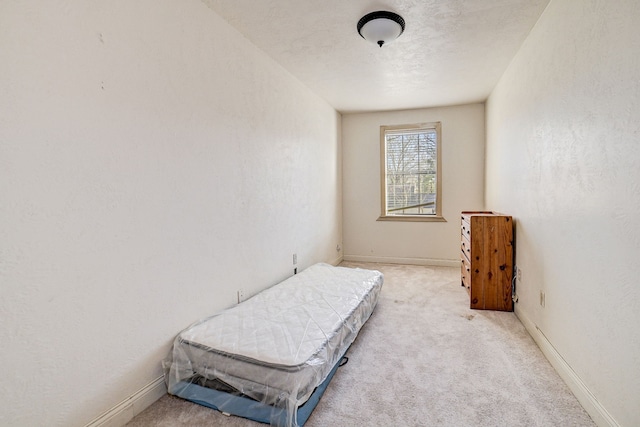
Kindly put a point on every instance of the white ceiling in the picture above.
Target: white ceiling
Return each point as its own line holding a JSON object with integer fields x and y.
{"x": 452, "y": 51}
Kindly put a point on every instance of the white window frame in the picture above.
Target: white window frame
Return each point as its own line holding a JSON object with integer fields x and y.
{"x": 411, "y": 128}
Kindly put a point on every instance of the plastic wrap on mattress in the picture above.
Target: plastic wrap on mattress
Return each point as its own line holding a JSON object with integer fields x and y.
{"x": 279, "y": 345}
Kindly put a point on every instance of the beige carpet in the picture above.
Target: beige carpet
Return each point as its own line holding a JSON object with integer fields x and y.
{"x": 424, "y": 359}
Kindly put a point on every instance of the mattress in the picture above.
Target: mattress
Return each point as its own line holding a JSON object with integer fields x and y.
{"x": 281, "y": 344}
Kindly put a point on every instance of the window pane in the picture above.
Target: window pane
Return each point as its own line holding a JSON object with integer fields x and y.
{"x": 411, "y": 172}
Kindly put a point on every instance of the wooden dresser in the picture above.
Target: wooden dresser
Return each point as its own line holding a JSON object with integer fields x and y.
{"x": 487, "y": 259}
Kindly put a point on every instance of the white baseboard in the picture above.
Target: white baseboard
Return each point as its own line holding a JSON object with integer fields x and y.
{"x": 410, "y": 261}
{"x": 589, "y": 402}
{"x": 336, "y": 261}
{"x": 124, "y": 412}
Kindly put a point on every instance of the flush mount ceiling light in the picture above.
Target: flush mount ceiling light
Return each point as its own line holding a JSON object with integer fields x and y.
{"x": 381, "y": 27}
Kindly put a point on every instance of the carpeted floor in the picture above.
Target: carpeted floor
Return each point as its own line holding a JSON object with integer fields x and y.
{"x": 424, "y": 359}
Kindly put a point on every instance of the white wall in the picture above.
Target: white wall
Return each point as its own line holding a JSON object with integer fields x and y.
{"x": 563, "y": 146}
{"x": 365, "y": 238}
{"x": 152, "y": 162}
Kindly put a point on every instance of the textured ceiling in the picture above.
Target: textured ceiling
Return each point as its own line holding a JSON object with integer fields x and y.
{"x": 452, "y": 51}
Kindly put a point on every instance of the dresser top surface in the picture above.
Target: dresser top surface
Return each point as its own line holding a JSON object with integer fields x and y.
{"x": 482, "y": 213}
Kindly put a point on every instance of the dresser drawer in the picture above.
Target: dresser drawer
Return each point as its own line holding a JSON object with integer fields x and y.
{"x": 466, "y": 273}
{"x": 465, "y": 229}
{"x": 465, "y": 247}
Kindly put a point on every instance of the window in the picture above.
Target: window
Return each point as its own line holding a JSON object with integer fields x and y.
{"x": 410, "y": 172}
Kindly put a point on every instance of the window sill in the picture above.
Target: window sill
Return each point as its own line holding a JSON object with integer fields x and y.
{"x": 412, "y": 218}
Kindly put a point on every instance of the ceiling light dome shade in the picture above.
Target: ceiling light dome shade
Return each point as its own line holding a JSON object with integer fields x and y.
{"x": 381, "y": 27}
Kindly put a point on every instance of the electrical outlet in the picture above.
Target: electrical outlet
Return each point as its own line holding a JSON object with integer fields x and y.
{"x": 241, "y": 295}
{"x": 519, "y": 274}
{"x": 542, "y": 298}
{"x": 295, "y": 259}
{"x": 338, "y": 248}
